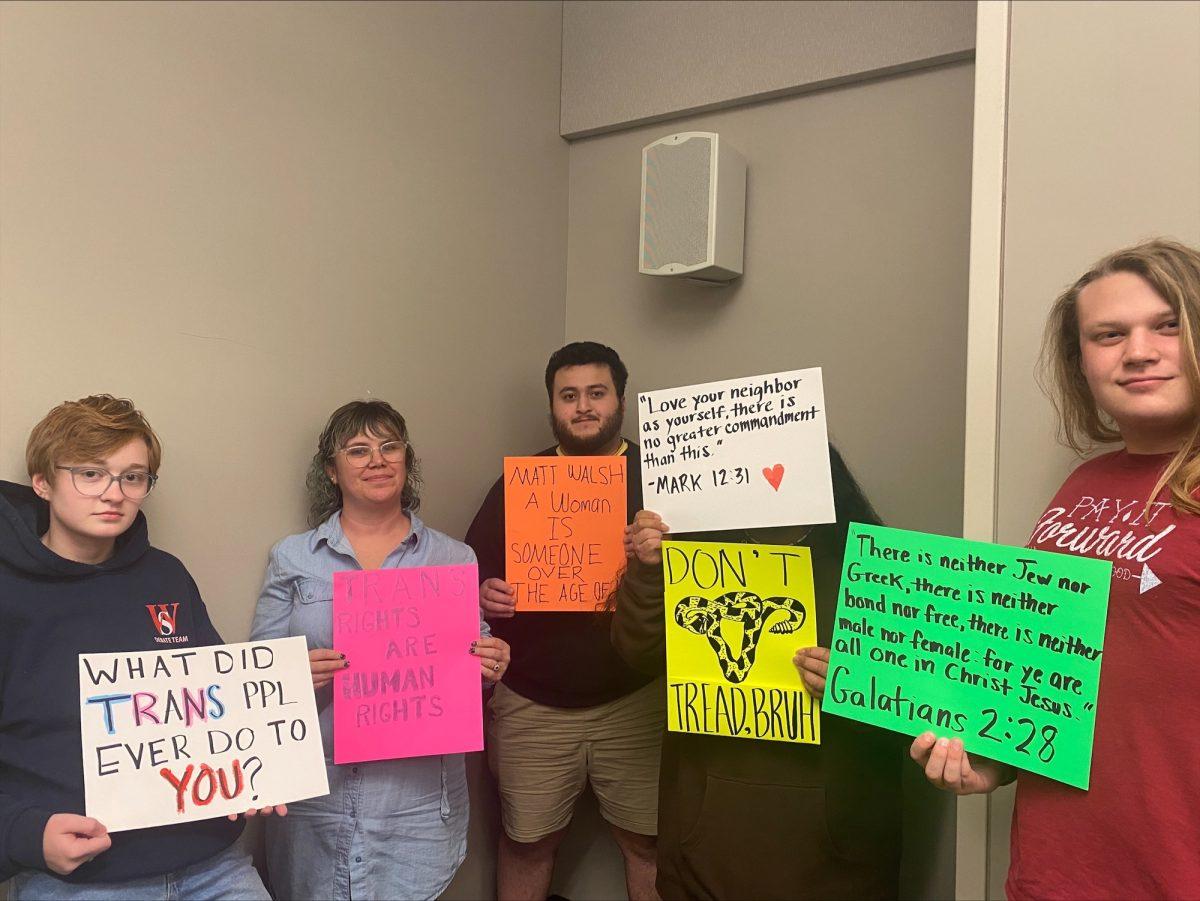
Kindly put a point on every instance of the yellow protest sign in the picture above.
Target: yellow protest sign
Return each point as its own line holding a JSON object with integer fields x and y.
{"x": 735, "y": 615}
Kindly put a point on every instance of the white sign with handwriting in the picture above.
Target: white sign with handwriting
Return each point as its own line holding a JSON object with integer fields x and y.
{"x": 195, "y": 733}
{"x": 742, "y": 453}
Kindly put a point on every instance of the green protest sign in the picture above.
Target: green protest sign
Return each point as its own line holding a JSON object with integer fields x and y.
{"x": 998, "y": 646}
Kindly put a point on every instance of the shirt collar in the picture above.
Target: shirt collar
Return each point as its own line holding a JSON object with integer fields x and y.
{"x": 330, "y": 532}
{"x": 624, "y": 446}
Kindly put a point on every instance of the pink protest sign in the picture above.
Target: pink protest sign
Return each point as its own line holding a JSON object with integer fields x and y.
{"x": 413, "y": 687}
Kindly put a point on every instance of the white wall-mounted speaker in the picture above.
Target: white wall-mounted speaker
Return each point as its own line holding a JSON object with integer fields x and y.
{"x": 693, "y": 207}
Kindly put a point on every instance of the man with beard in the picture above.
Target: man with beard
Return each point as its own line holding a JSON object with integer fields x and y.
{"x": 570, "y": 710}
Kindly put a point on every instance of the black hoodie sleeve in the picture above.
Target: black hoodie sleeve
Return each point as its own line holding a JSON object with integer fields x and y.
{"x": 22, "y": 826}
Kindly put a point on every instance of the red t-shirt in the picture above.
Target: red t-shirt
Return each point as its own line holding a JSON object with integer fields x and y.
{"x": 1136, "y": 832}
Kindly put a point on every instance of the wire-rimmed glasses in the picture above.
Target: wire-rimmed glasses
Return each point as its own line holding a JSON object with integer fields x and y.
{"x": 360, "y": 455}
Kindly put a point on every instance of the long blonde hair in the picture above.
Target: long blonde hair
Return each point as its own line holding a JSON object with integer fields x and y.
{"x": 1172, "y": 269}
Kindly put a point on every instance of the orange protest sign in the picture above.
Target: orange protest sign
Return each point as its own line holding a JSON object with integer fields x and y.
{"x": 563, "y": 523}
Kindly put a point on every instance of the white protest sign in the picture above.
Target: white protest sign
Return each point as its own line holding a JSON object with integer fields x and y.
{"x": 742, "y": 453}
{"x": 196, "y": 733}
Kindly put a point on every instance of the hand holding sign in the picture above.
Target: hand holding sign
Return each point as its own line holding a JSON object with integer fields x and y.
{"x": 645, "y": 536}
{"x": 497, "y": 599}
{"x": 813, "y": 666}
{"x": 493, "y": 657}
{"x": 278, "y": 809}
{"x": 948, "y": 766}
{"x": 69, "y": 841}
{"x": 324, "y": 664}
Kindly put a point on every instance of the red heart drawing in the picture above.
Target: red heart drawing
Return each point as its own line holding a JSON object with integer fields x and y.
{"x": 774, "y": 475}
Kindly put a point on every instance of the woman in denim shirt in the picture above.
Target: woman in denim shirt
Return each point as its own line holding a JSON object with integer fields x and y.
{"x": 389, "y": 828}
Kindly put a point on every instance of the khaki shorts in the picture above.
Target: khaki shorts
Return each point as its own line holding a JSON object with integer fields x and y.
{"x": 542, "y": 757}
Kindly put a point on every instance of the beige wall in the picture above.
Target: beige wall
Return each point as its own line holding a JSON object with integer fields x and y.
{"x": 243, "y": 215}
{"x": 1103, "y": 149}
{"x": 629, "y": 62}
{"x": 857, "y": 224}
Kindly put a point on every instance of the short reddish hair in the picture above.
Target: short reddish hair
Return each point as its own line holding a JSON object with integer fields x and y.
{"x": 85, "y": 430}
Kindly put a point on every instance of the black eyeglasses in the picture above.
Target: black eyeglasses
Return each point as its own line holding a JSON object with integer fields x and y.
{"x": 359, "y": 455}
{"x": 91, "y": 481}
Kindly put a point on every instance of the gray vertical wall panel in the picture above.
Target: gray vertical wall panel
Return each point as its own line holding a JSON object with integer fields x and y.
{"x": 633, "y": 62}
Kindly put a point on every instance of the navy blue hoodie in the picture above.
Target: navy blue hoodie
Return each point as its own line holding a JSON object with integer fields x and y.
{"x": 52, "y": 610}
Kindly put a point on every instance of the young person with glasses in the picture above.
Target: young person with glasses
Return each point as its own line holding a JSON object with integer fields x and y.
{"x": 388, "y": 828}
{"x": 1120, "y": 354}
{"x": 78, "y": 575}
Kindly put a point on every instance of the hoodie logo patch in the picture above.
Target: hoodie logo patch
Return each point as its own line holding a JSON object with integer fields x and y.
{"x": 164, "y": 617}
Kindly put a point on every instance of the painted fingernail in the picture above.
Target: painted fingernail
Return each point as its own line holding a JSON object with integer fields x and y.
{"x": 472, "y": 649}
{"x": 345, "y": 663}
{"x": 343, "y": 656}
{"x": 474, "y": 643}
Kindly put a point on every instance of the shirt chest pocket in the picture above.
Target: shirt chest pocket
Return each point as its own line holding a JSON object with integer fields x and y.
{"x": 312, "y": 612}
{"x": 312, "y": 591}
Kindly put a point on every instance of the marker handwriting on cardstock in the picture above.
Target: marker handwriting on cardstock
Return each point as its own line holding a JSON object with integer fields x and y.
{"x": 703, "y": 447}
{"x": 998, "y": 645}
{"x": 414, "y": 687}
{"x": 564, "y": 523}
{"x": 735, "y": 615}
{"x": 174, "y": 736}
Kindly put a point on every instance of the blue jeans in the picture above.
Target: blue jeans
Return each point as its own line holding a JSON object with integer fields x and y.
{"x": 228, "y": 875}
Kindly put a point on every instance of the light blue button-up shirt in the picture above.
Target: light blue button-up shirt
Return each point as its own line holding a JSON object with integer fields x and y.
{"x": 388, "y": 828}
